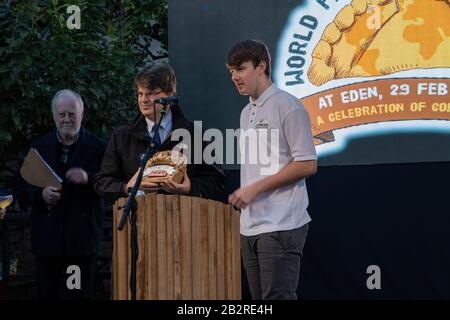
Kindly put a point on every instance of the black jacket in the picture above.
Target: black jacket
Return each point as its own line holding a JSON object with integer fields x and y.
{"x": 73, "y": 226}
{"x": 128, "y": 143}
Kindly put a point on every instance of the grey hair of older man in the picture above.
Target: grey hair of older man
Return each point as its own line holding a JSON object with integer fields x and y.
{"x": 67, "y": 93}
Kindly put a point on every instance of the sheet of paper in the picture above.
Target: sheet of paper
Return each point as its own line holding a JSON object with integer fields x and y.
{"x": 37, "y": 172}
{"x": 5, "y": 201}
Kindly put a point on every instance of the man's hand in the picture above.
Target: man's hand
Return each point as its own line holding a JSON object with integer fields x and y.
{"x": 168, "y": 186}
{"x": 150, "y": 187}
{"x": 131, "y": 182}
{"x": 77, "y": 176}
{"x": 147, "y": 187}
{"x": 242, "y": 197}
{"x": 291, "y": 173}
{"x": 177, "y": 188}
{"x": 51, "y": 195}
{"x": 2, "y": 213}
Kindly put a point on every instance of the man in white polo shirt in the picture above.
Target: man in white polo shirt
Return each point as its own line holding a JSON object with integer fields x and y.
{"x": 273, "y": 195}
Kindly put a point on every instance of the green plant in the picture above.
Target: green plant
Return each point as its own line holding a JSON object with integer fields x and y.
{"x": 40, "y": 55}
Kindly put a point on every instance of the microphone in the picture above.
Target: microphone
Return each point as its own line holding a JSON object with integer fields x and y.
{"x": 167, "y": 100}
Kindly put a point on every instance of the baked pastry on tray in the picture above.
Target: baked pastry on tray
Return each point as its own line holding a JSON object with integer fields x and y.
{"x": 165, "y": 165}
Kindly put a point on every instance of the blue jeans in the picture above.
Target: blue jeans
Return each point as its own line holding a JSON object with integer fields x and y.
{"x": 272, "y": 263}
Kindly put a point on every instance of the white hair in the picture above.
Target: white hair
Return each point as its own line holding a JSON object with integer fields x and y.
{"x": 69, "y": 94}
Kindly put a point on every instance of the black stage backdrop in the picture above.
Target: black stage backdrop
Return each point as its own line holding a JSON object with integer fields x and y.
{"x": 394, "y": 216}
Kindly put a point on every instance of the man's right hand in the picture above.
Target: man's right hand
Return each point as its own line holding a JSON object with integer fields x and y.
{"x": 147, "y": 187}
{"x": 51, "y": 195}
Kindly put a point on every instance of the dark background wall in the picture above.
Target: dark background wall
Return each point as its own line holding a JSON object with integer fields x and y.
{"x": 395, "y": 216}
{"x": 200, "y": 35}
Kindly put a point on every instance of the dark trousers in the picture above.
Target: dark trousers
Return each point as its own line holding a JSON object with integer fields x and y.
{"x": 272, "y": 263}
{"x": 52, "y": 277}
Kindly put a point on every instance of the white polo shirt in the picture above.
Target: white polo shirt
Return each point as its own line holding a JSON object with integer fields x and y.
{"x": 283, "y": 128}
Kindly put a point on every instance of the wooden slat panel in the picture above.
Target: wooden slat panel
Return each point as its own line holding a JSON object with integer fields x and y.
{"x": 127, "y": 232}
{"x": 220, "y": 235}
{"x": 152, "y": 253}
{"x": 114, "y": 278}
{"x": 188, "y": 249}
{"x": 236, "y": 255}
{"x": 212, "y": 251}
{"x": 169, "y": 242}
{"x": 121, "y": 245}
{"x": 203, "y": 231}
{"x": 200, "y": 248}
{"x": 228, "y": 255}
{"x": 162, "y": 246}
{"x": 186, "y": 233}
{"x": 122, "y": 253}
{"x": 176, "y": 249}
{"x": 196, "y": 250}
{"x": 141, "y": 268}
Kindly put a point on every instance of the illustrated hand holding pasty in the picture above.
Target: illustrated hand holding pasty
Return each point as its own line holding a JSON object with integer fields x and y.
{"x": 379, "y": 37}
{"x": 165, "y": 165}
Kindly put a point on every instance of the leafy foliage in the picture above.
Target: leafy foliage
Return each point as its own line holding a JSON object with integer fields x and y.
{"x": 40, "y": 55}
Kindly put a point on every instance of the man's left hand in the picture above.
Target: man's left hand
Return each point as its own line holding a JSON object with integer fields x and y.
{"x": 77, "y": 176}
{"x": 177, "y": 188}
{"x": 242, "y": 197}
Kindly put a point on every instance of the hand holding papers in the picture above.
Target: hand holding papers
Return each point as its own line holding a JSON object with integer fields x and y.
{"x": 5, "y": 200}
{"x": 38, "y": 173}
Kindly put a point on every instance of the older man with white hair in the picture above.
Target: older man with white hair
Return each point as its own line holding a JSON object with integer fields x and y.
{"x": 66, "y": 224}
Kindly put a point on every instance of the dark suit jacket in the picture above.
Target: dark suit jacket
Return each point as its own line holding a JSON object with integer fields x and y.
{"x": 73, "y": 226}
{"x": 128, "y": 143}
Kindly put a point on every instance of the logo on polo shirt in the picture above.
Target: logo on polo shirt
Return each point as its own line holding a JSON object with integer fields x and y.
{"x": 262, "y": 124}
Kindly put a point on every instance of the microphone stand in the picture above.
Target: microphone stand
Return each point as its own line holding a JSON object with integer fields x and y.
{"x": 131, "y": 205}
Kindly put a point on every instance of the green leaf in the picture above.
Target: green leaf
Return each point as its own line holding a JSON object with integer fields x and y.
{"x": 5, "y": 136}
{"x": 40, "y": 55}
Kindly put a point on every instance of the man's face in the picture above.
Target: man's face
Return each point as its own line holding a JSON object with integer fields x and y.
{"x": 247, "y": 78}
{"x": 67, "y": 115}
{"x": 145, "y": 101}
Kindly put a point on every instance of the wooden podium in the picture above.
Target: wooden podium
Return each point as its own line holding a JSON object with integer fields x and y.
{"x": 189, "y": 248}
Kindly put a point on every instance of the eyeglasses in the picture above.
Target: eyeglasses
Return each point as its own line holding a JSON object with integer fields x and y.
{"x": 151, "y": 94}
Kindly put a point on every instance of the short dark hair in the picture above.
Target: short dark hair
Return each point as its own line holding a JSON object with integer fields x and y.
{"x": 157, "y": 76}
{"x": 249, "y": 50}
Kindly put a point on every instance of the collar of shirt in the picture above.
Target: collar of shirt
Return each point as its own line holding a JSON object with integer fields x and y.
{"x": 165, "y": 127}
{"x": 60, "y": 140}
{"x": 271, "y": 90}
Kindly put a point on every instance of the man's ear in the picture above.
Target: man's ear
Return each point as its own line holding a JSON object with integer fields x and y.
{"x": 262, "y": 66}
